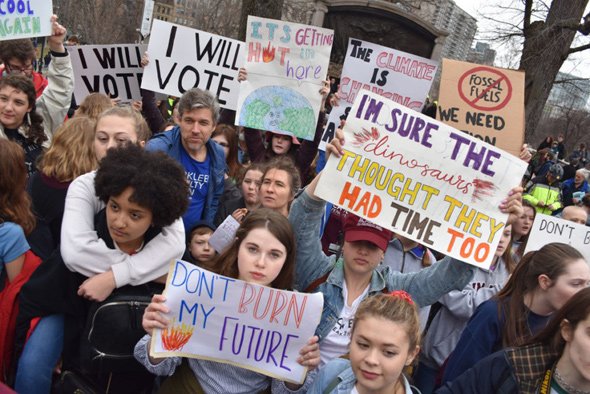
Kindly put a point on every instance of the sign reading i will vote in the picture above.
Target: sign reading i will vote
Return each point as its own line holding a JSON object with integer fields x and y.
{"x": 182, "y": 58}
{"x": 396, "y": 75}
{"x": 114, "y": 70}
{"x": 547, "y": 229}
{"x": 287, "y": 64}
{"x": 25, "y": 18}
{"x": 422, "y": 179}
{"x": 216, "y": 318}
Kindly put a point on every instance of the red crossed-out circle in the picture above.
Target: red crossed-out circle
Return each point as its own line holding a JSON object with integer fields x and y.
{"x": 473, "y": 102}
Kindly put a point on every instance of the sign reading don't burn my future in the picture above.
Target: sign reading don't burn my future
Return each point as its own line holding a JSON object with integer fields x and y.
{"x": 485, "y": 102}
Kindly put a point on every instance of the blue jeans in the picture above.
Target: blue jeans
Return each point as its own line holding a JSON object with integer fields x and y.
{"x": 40, "y": 355}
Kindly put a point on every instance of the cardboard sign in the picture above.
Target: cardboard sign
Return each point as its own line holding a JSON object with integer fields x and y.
{"x": 393, "y": 74}
{"x": 485, "y": 102}
{"x": 182, "y": 58}
{"x": 287, "y": 64}
{"x": 547, "y": 229}
{"x": 227, "y": 320}
{"x": 114, "y": 70}
{"x": 25, "y": 19}
{"x": 422, "y": 179}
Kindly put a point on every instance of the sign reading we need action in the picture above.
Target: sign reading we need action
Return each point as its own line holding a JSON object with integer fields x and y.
{"x": 217, "y": 318}
{"x": 484, "y": 102}
{"x": 421, "y": 179}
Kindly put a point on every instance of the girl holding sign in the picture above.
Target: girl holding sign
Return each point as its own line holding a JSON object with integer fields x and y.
{"x": 263, "y": 253}
{"x": 555, "y": 361}
{"x": 384, "y": 340}
{"x": 541, "y": 283}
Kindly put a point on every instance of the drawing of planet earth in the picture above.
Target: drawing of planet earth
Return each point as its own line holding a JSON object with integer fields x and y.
{"x": 278, "y": 108}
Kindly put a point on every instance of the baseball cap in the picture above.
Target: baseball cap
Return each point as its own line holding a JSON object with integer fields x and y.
{"x": 294, "y": 139}
{"x": 359, "y": 229}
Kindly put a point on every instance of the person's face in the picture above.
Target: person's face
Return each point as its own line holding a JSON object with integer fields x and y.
{"x": 523, "y": 224}
{"x": 196, "y": 127}
{"x": 281, "y": 143}
{"x": 251, "y": 186}
{"x": 361, "y": 257}
{"x": 260, "y": 257}
{"x": 575, "y": 215}
{"x": 127, "y": 222}
{"x": 200, "y": 249}
{"x": 504, "y": 241}
{"x": 15, "y": 66}
{"x": 113, "y": 131}
{"x": 577, "y": 350}
{"x": 575, "y": 278}
{"x": 379, "y": 351}
{"x": 275, "y": 191}
{"x": 14, "y": 105}
{"x": 578, "y": 179}
{"x": 221, "y": 140}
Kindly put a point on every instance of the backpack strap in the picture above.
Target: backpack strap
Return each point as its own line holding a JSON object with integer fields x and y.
{"x": 316, "y": 283}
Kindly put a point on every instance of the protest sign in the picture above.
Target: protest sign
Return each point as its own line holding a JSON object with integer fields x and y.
{"x": 485, "y": 102}
{"x": 547, "y": 229}
{"x": 421, "y": 179}
{"x": 287, "y": 64}
{"x": 182, "y": 58}
{"x": 114, "y": 70}
{"x": 255, "y": 327}
{"x": 224, "y": 235}
{"x": 25, "y": 19}
{"x": 396, "y": 75}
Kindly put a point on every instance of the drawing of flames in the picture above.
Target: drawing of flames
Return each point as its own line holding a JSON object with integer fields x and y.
{"x": 268, "y": 53}
{"x": 364, "y": 136}
{"x": 176, "y": 336}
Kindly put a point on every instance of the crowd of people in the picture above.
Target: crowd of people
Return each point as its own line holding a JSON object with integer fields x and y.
{"x": 96, "y": 202}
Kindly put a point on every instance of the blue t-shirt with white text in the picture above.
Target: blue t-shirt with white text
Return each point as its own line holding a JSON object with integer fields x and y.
{"x": 197, "y": 175}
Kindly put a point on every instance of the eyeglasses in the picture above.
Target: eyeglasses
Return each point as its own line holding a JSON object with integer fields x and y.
{"x": 13, "y": 68}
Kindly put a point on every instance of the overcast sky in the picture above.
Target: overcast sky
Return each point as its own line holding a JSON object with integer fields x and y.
{"x": 579, "y": 64}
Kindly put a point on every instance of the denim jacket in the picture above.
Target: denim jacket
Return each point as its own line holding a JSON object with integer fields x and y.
{"x": 425, "y": 286}
{"x": 339, "y": 370}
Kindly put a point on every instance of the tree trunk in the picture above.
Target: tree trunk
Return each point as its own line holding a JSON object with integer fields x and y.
{"x": 546, "y": 46}
{"x": 263, "y": 8}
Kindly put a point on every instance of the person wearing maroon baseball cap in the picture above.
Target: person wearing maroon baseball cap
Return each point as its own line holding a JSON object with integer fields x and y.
{"x": 358, "y": 273}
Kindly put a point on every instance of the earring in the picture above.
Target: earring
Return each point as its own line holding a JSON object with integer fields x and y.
{"x": 29, "y": 118}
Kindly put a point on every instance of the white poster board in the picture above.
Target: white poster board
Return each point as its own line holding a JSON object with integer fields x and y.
{"x": 114, "y": 70}
{"x": 287, "y": 64}
{"x": 182, "y": 58}
{"x": 25, "y": 19}
{"x": 422, "y": 179}
{"x": 396, "y": 75}
{"x": 227, "y": 320}
{"x": 547, "y": 229}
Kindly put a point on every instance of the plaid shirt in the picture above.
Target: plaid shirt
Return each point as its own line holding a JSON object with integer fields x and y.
{"x": 530, "y": 364}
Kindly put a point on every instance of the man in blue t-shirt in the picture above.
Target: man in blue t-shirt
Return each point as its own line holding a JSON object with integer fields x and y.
{"x": 203, "y": 160}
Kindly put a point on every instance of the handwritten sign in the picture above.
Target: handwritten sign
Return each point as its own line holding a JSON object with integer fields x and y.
{"x": 393, "y": 74}
{"x": 483, "y": 101}
{"x": 25, "y": 19}
{"x": 227, "y": 320}
{"x": 114, "y": 70}
{"x": 547, "y": 229}
{"x": 182, "y": 58}
{"x": 286, "y": 64}
{"x": 421, "y": 179}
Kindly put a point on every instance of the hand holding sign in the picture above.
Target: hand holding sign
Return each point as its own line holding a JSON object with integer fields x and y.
{"x": 58, "y": 34}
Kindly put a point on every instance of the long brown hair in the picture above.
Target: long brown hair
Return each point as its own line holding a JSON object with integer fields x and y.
{"x": 71, "y": 153}
{"x": 551, "y": 260}
{"x": 280, "y": 228}
{"x": 230, "y": 134}
{"x": 15, "y": 204}
{"x": 93, "y": 105}
{"x": 575, "y": 310}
